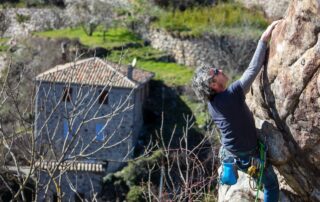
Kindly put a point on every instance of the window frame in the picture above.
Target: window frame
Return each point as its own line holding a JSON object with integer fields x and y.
{"x": 67, "y": 94}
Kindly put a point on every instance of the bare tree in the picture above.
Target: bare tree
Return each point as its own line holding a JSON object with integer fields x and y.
{"x": 187, "y": 172}
{"x": 4, "y": 23}
{"x": 67, "y": 130}
{"x": 90, "y": 14}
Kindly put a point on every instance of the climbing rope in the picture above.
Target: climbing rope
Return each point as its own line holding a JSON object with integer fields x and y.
{"x": 256, "y": 169}
{"x": 262, "y": 166}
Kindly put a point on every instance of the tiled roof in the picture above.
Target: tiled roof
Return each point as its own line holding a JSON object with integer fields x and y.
{"x": 95, "y": 71}
{"x": 72, "y": 166}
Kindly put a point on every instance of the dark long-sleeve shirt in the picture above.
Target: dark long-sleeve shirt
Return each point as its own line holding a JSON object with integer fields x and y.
{"x": 230, "y": 112}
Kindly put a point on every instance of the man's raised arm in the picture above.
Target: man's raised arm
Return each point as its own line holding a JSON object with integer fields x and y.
{"x": 257, "y": 60}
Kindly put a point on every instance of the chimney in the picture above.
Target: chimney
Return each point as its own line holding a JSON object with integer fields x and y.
{"x": 130, "y": 72}
{"x": 131, "y": 67}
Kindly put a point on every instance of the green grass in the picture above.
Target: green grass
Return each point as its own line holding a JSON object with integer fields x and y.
{"x": 221, "y": 19}
{"x": 114, "y": 37}
{"x": 171, "y": 74}
{"x": 3, "y": 47}
{"x": 141, "y": 53}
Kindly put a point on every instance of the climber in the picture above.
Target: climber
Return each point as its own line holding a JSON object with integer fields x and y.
{"x": 232, "y": 116}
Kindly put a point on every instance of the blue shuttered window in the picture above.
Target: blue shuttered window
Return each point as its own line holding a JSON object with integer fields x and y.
{"x": 100, "y": 132}
{"x": 65, "y": 128}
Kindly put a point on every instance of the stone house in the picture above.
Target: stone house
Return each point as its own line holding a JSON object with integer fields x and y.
{"x": 88, "y": 115}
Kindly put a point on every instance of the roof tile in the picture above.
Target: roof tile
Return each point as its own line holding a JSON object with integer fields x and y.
{"x": 95, "y": 71}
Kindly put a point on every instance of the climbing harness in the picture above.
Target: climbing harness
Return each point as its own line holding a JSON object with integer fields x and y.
{"x": 229, "y": 174}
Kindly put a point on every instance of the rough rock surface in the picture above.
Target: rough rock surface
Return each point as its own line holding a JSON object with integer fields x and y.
{"x": 273, "y": 9}
{"x": 2, "y": 61}
{"x": 25, "y": 20}
{"x": 285, "y": 99}
{"x": 116, "y": 3}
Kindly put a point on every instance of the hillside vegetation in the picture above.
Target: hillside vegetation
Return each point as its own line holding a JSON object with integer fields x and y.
{"x": 115, "y": 37}
{"x": 230, "y": 19}
{"x": 171, "y": 97}
{"x": 222, "y": 19}
{"x": 3, "y": 46}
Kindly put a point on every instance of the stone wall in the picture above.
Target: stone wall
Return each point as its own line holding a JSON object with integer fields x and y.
{"x": 58, "y": 119}
{"x": 87, "y": 183}
{"x": 225, "y": 52}
{"x": 23, "y": 21}
{"x": 3, "y": 60}
{"x": 115, "y": 3}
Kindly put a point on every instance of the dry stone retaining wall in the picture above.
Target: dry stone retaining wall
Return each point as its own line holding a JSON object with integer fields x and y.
{"x": 34, "y": 20}
{"x": 220, "y": 51}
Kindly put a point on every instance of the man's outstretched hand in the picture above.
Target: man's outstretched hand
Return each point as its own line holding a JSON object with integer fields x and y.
{"x": 267, "y": 33}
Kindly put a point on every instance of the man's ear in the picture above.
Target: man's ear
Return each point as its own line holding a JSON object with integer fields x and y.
{"x": 213, "y": 86}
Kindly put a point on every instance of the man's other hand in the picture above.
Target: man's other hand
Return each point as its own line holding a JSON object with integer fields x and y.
{"x": 267, "y": 33}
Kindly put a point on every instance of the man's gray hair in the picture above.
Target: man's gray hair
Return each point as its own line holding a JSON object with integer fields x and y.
{"x": 201, "y": 83}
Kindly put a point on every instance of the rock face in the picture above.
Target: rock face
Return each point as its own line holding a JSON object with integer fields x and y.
{"x": 115, "y": 3}
{"x": 273, "y": 9}
{"x": 2, "y": 61}
{"x": 24, "y": 20}
{"x": 286, "y": 96}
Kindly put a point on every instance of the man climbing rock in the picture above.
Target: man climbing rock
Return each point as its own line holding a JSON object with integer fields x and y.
{"x": 232, "y": 116}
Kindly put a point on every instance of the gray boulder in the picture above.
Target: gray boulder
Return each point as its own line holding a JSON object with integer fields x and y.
{"x": 285, "y": 102}
{"x": 285, "y": 99}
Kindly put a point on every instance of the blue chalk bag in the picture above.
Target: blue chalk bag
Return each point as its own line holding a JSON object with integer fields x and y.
{"x": 229, "y": 174}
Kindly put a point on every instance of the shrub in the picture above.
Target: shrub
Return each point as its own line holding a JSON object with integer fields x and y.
{"x": 3, "y": 42}
{"x": 37, "y": 3}
{"x": 199, "y": 20}
{"x": 22, "y": 18}
{"x": 135, "y": 194}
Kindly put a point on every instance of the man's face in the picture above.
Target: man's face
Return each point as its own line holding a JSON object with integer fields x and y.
{"x": 219, "y": 80}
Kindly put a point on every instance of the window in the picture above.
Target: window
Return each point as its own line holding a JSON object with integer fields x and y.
{"x": 103, "y": 97}
{"x": 100, "y": 132}
{"x": 67, "y": 93}
{"x": 70, "y": 127}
